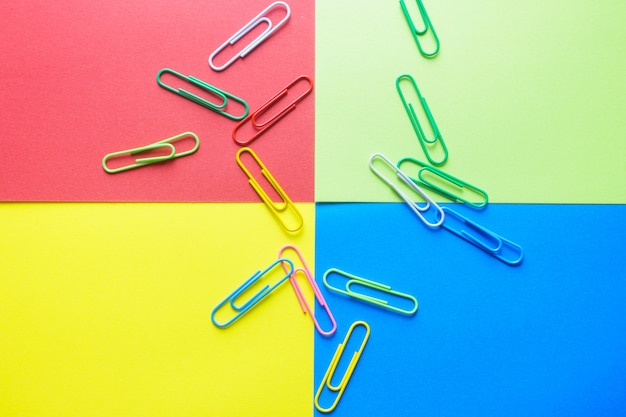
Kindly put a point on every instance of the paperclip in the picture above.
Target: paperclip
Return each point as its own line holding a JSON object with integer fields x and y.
{"x": 417, "y": 33}
{"x": 417, "y": 127}
{"x": 223, "y": 95}
{"x": 316, "y": 291}
{"x": 275, "y": 208}
{"x": 492, "y": 243}
{"x": 417, "y": 209}
{"x": 326, "y": 381}
{"x": 260, "y": 18}
{"x": 421, "y": 180}
{"x": 256, "y": 298}
{"x": 366, "y": 283}
{"x": 139, "y": 162}
{"x": 262, "y": 127}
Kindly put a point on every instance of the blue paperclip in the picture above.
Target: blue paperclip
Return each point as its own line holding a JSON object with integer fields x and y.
{"x": 256, "y": 298}
{"x": 492, "y": 243}
{"x": 259, "y": 19}
{"x": 354, "y": 280}
{"x": 417, "y": 33}
{"x": 330, "y": 372}
{"x": 223, "y": 95}
{"x": 417, "y": 127}
{"x": 416, "y": 208}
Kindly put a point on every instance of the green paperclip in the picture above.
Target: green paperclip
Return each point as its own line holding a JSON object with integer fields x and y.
{"x": 139, "y": 162}
{"x": 223, "y": 95}
{"x": 417, "y": 33}
{"x": 417, "y": 127}
{"x": 363, "y": 282}
{"x": 422, "y": 181}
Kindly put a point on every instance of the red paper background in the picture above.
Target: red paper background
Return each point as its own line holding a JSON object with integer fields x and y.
{"x": 79, "y": 82}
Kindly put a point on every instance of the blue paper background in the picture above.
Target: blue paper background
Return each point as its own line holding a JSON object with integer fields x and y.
{"x": 545, "y": 338}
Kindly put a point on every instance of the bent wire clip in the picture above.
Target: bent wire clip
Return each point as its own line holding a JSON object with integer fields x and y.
{"x": 242, "y": 309}
{"x": 248, "y": 27}
{"x": 261, "y": 127}
{"x": 165, "y": 144}
{"x": 223, "y": 96}
{"x": 306, "y": 308}
{"x": 354, "y": 280}
{"x": 277, "y": 209}
{"x": 330, "y": 372}
{"x": 444, "y": 177}
{"x": 492, "y": 243}
{"x": 417, "y": 209}
{"x": 417, "y": 33}
{"x": 424, "y": 142}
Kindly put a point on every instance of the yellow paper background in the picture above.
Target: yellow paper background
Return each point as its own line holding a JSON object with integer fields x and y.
{"x": 105, "y": 311}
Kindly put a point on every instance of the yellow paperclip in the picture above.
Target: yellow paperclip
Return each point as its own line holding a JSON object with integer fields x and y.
{"x": 275, "y": 208}
{"x": 330, "y": 372}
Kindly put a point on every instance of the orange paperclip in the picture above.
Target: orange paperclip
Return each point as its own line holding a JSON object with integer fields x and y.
{"x": 261, "y": 127}
{"x": 275, "y": 208}
{"x": 316, "y": 290}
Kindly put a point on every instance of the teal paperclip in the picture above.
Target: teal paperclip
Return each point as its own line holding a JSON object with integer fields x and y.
{"x": 306, "y": 308}
{"x": 417, "y": 127}
{"x": 354, "y": 280}
{"x": 330, "y": 372}
{"x": 256, "y": 298}
{"x": 416, "y": 208}
{"x": 421, "y": 180}
{"x": 417, "y": 33}
{"x": 140, "y": 162}
{"x": 223, "y": 95}
{"x": 492, "y": 243}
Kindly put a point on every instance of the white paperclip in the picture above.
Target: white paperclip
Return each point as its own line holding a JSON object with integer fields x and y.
{"x": 260, "y": 18}
{"x": 417, "y": 209}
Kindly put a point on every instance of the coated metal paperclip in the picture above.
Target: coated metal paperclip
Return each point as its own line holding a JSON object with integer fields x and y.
{"x": 259, "y": 19}
{"x": 306, "y": 308}
{"x": 256, "y": 298}
{"x": 417, "y": 33}
{"x": 366, "y": 283}
{"x": 330, "y": 372}
{"x": 275, "y": 208}
{"x": 421, "y": 180}
{"x": 417, "y": 209}
{"x": 223, "y": 95}
{"x": 417, "y": 127}
{"x": 261, "y": 127}
{"x": 492, "y": 243}
{"x": 163, "y": 144}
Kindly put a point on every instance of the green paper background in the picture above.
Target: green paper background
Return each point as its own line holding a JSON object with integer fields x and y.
{"x": 530, "y": 97}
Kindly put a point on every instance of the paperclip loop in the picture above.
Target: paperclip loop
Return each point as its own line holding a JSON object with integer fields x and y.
{"x": 417, "y": 33}
{"x": 417, "y": 127}
{"x": 417, "y": 209}
{"x": 262, "y": 127}
{"x": 275, "y": 208}
{"x": 366, "y": 283}
{"x": 259, "y": 19}
{"x": 223, "y": 95}
{"x": 492, "y": 243}
{"x": 306, "y": 308}
{"x": 256, "y": 298}
{"x": 326, "y": 381}
{"x": 140, "y": 162}
{"x": 421, "y": 180}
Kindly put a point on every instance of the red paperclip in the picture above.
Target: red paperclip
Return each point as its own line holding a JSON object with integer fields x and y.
{"x": 263, "y": 126}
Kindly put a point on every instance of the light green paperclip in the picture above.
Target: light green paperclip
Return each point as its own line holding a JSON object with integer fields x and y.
{"x": 417, "y": 127}
{"x": 139, "y": 162}
{"x": 421, "y": 180}
{"x": 363, "y": 282}
{"x": 417, "y": 33}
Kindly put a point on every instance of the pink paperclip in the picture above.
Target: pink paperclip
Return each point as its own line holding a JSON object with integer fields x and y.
{"x": 316, "y": 290}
